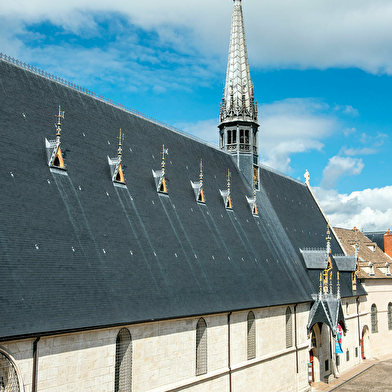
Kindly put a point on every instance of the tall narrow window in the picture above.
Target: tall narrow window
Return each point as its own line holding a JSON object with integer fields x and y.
{"x": 8, "y": 376}
{"x": 251, "y": 336}
{"x": 123, "y": 369}
{"x": 289, "y": 328}
{"x": 390, "y": 316}
{"x": 374, "y": 320}
{"x": 242, "y": 136}
{"x": 201, "y": 347}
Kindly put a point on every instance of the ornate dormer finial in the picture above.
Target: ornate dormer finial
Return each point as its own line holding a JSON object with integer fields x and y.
{"x": 338, "y": 284}
{"x": 356, "y": 243}
{"x": 165, "y": 151}
{"x": 330, "y": 283}
{"x": 228, "y": 181}
{"x": 201, "y": 173}
{"x": 328, "y": 238}
{"x": 58, "y": 125}
{"x": 328, "y": 263}
{"x": 120, "y": 140}
{"x": 321, "y": 286}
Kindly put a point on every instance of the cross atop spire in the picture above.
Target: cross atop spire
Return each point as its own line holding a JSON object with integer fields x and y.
{"x": 238, "y": 98}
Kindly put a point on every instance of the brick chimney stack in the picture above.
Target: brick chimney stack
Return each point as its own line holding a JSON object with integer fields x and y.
{"x": 388, "y": 243}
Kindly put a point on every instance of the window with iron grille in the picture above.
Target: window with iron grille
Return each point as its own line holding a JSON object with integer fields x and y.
{"x": 390, "y": 316}
{"x": 373, "y": 315}
{"x": 201, "y": 347}
{"x": 251, "y": 336}
{"x": 8, "y": 376}
{"x": 338, "y": 360}
{"x": 289, "y": 328}
{"x": 356, "y": 352}
{"x": 347, "y": 355}
{"x": 123, "y": 368}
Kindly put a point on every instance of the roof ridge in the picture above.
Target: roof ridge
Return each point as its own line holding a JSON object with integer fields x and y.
{"x": 99, "y": 97}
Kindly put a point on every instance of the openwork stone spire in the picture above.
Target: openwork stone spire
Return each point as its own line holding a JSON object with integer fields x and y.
{"x": 238, "y": 98}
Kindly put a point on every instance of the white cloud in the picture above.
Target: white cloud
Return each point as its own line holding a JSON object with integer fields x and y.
{"x": 303, "y": 34}
{"x": 369, "y": 209}
{"x": 339, "y": 167}
{"x": 293, "y": 126}
{"x": 357, "y": 151}
{"x": 205, "y": 130}
{"x": 348, "y": 109}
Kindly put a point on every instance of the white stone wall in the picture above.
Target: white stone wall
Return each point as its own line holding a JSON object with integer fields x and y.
{"x": 164, "y": 356}
{"x": 379, "y": 293}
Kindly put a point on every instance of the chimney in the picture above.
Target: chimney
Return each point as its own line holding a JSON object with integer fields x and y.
{"x": 388, "y": 243}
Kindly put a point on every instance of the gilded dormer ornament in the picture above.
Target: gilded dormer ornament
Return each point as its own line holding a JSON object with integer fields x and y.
{"x": 116, "y": 170}
{"x": 328, "y": 263}
{"x": 53, "y": 150}
{"x": 159, "y": 175}
{"x": 198, "y": 186}
{"x": 226, "y": 193}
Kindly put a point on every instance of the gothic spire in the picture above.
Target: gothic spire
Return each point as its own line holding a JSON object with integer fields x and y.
{"x": 238, "y": 98}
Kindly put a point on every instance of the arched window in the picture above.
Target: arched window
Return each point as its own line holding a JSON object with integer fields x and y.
{"x": 374, "y": 320}
{"x": 201, "y": 347}
{"x": 251, "y": 336}
{"x": 313, "y": 339}
{"x": 8, "y": 377}
{"x": 289, "y": 328}
{"x": 390, "y": 316}
{"x": 123, "y": 369}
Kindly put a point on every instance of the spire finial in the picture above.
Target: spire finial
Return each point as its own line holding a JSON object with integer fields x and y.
{"x": 328, "y": 238}
{"x": 58, "y": 125}
{"x": 165, "y": 151}
{"x": 201, "y": 173}
{"x": 321, "y": 286}
{"x": 120, "y": 140}
{"x": 228, "y": 181}
{"x": 338, "y": 283}
{"x": 238, "y": 94}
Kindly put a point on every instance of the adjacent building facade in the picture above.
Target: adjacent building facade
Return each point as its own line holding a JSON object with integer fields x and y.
{"x": 155, "y": 262}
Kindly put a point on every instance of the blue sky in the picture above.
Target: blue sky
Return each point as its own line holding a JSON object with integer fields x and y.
{"x": 321, "y": 71}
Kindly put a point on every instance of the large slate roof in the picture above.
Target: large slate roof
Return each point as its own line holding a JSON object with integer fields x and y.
{"x": 78, "y": 252}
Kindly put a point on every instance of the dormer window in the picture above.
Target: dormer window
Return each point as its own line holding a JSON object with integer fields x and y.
{"x": 159, "y": 175}
{"x": 226, "y": 193}
{"x": 53, "y": 149}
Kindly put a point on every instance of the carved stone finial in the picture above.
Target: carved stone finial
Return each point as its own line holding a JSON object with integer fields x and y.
{"x": 307, "y": 177}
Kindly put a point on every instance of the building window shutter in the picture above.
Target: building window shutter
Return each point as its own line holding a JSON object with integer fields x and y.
{"x": 201, "y": 347}
{"x": 390, "y": 316}
{"x": 374, "y": 319}
{"x": 289, "y": 328}
{"x": 251, "y": 336}
{"x": 123, "y": 369}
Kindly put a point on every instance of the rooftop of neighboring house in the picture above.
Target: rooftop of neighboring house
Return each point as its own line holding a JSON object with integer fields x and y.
{"x": 373, "y": 262}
